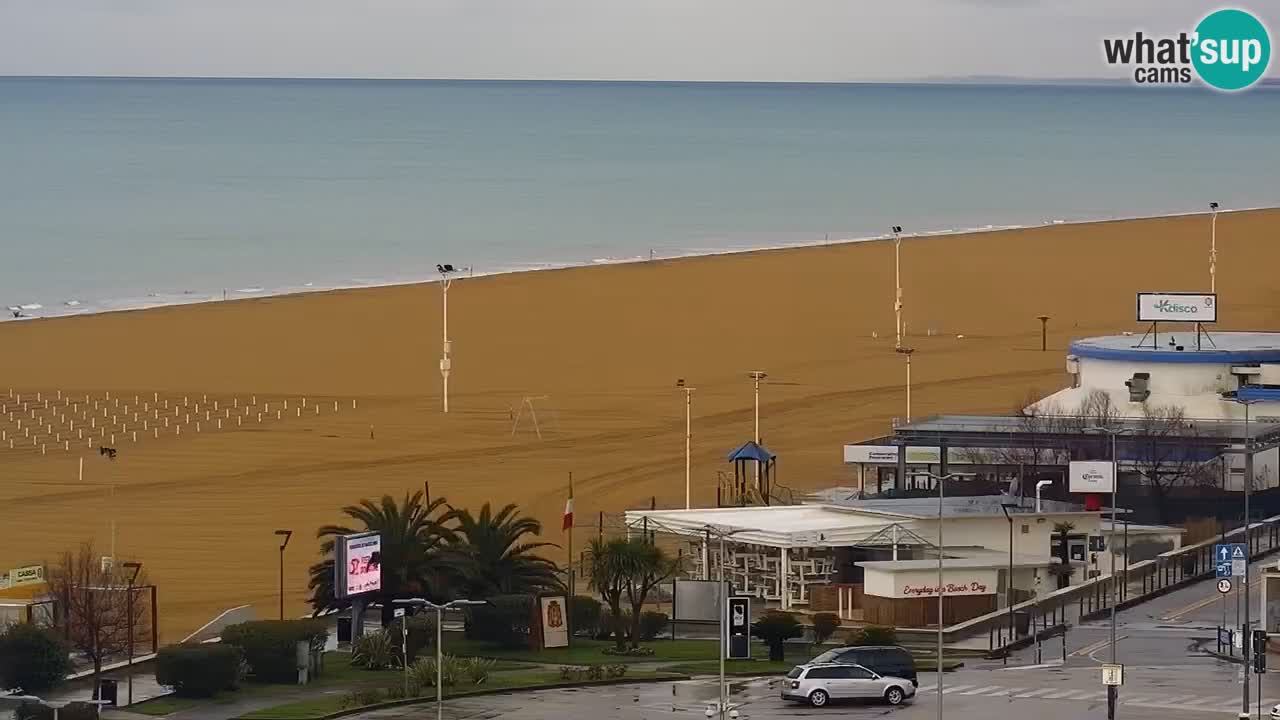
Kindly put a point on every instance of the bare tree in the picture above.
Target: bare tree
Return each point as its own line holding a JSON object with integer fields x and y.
{"x": 95, "y": 606}
{"x": 1163, "y": 462}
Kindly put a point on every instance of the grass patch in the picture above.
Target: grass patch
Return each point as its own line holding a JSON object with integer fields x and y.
{"x": 731, "y": 667}
{"x": 317, "y": 707}
{"x": 172, "y": 703}
{"x": 591, "y": 652}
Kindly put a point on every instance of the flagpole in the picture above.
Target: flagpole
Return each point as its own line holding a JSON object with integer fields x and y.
{"x": 571, "y": 578}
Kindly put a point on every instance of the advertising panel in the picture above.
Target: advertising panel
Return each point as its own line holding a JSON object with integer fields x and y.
{"x": 1090, "y": 476}
{"x": 1177, "y": 307}
{"x": 555, "y": 625}
{"x": 358, "y": 565}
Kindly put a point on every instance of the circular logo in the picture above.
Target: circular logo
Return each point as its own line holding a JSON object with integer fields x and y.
{"x": 1232, "y": 49}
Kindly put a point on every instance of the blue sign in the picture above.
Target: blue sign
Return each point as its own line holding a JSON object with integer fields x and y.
{"x": 1224, "y": 554}
{"x": 1224, "y": 636}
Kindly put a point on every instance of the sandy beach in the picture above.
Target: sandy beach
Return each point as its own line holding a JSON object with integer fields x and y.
{"x": 601, "y": 346}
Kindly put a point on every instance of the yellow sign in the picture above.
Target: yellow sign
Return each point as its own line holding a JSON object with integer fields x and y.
{"x": 29, "y": 575}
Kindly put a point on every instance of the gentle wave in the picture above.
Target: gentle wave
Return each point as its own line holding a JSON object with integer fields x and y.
{"x": 28, "y": 311}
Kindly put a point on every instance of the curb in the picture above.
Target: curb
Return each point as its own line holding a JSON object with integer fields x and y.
{"x": 492, "y": 691}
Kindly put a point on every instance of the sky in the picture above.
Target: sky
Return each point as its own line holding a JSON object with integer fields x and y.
{"x": 710, "y": 40}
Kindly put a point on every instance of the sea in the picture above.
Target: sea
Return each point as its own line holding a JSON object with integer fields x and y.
{"x": 127, "y": 193}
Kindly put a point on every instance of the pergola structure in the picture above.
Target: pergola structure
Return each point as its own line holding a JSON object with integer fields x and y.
{"x": 1204, "y": 437}
{"x": 784, "y": 529}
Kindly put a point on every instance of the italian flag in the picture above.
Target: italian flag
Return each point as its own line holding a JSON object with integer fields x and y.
{"x": 568, "y": 512}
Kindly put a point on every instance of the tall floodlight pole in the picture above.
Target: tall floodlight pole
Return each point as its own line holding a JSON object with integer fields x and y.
{"x": 136, "y": 567}
{"x": 897, "y": 284}
{"x": 1213, "y": 247}
{"x": 1113, "y": 691}
{"x": 446, "y": 362}
{"x": 906, "y": 352}
{"x": 688, "y": 437}
{"x": 757, "y": 376}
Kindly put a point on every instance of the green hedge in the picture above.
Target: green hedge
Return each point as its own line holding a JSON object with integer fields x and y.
{"x": 652, "y": 623}
{"x": 422, "y": 634}
{"x": 269, "y": 646}
{"x": 505, "y": 620}
{"x": 585, "y": 613}
{"x": 33, "y": 659}
{"x": 202, "y": 670}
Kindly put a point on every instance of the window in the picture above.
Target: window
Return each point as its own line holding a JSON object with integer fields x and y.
{"x": 795, "y": 673}
{"x": 1026, "y": 529}
{"x": 823, "y": 673}
{"x": 859, "y": 673}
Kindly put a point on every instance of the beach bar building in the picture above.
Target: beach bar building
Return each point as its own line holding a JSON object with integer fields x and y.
{"x": 877, "y": 561}
{"x": 1224, "y": 387}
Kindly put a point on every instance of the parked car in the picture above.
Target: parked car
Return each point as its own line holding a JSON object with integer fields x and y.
{"x": 889, "y": 660}
{"x": 820, "y": 683}
{"x": 1275, "y": 713}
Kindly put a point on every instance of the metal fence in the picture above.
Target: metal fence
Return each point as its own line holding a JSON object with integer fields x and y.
{"x": 1013, "y": 627}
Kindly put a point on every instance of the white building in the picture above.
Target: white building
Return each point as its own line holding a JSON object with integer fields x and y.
{"x": 1143, "y": 374}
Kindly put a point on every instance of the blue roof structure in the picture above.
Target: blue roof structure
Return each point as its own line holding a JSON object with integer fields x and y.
{"x": 1242, "y": 348}
{"x": 751, "y": 450}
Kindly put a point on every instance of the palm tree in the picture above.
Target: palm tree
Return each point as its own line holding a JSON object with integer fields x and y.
{"x": 411, "y": 542}
{"x": 493, "y": 553}
{"x": 631, "y": 569}
{"x": 610, "y": 569}
{"x": 1062, "y": 571}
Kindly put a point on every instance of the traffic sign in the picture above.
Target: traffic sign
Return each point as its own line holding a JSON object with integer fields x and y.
{"x": 1224, "y": 636}
{"x": 398, "y": 612}
{"x": 1224, "y": 585}
{"x": 1229, "y": 559}
{"x": 1112, "y": 674}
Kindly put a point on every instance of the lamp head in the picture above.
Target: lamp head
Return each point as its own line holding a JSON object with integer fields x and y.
{"x": 897, "y": 228}
{"x": 679, "y": 382}
{"x": 1213, "y": 206}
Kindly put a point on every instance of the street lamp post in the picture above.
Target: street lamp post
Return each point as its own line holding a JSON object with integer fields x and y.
{"x": 286, "y": 534}
{"x": 423, "y": 602}
{"x": 688, "y": 436}
{"x": 1213, "y": 247}
{"x": 446, "y": 362}
{"x": 906, "y": 352}
{"x": 1246, "y": 636}
{"x": 1044, "y": 332}
{"x": 941, "y": 481}
{"x": 1113, "y": 691}
{"x": 897, "y": 284}
{"x": 1008, "y": 584}
{"x": 136, "y": 567}
{"x": 723, "y": 696}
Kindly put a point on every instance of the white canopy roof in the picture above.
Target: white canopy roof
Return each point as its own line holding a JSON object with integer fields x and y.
{"x": 776, "y": 526}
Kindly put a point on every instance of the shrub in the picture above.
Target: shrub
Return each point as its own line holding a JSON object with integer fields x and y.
{"x": 615, "y": 671}
{"x": 775, "y": 628}
{"x": 606, "y": 625}
{"x": 629, "y": 651}
{"x": 268, "y": 645}
{"x": 350, "y": 699}
{"x": 505, "y": 620}
{"x": 395, "y": 692}
{"x": 652, "y": 623}
{"x": 422, "y": 634}
{"x": 595, "y": 672}
{"x": 584, "y": 614}
{"x": 475, "y": 669}
{"x": 374, "y": 651}
{"x": 824, "y": 626}
{"x": 567, "y": 672}
{"x": 422, "y": 674}
{"x": 367, "y": 696}
{"x": 200, "y": 670}
{"x": 874, "y": 635}
{"x": 32, "y": 659}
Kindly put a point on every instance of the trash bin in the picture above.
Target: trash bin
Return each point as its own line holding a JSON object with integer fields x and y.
{"x": 1022, "y": 622}
{"x": 344, "y": 629}
{"x": 107, "y": 691}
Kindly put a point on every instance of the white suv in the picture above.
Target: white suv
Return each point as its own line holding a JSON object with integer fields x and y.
{"x": 820, "y": 683}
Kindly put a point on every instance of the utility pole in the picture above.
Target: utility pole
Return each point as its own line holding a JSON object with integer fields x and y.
{"x": 446, "y": 362}
{"x": 757, "y": 376}
{"x": 906, "y": 352}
